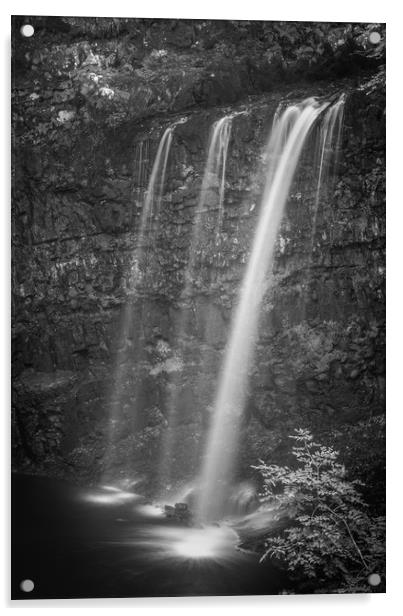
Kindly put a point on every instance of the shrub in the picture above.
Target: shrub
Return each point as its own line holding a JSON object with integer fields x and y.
{"x": 331, "y": 539}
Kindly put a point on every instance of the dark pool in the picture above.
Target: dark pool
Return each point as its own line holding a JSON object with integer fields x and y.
{"x": 75, "y": 543}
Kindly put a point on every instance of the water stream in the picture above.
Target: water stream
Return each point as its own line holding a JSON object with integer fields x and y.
{"x": 327, "y": 157}
{"x": 214, "y": 174}
{"x": 212, "y": 189}
{"x": 152, "y": 201}
{"x": 131, "y": 319}
{"x": 290, "y": 130}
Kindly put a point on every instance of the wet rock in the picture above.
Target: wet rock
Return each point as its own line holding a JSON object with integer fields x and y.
{"x": 169, "y": 511}
{"x": 354, "y": 374}
{"x": 180, "y": 513}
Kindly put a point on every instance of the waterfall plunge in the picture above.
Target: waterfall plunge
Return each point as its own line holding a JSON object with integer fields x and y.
{"x": 289, "y": 133}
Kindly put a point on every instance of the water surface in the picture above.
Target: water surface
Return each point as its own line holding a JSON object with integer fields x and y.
{"x": 104, "y": 542}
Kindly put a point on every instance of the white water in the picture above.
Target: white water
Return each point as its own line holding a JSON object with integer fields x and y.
{"x": 327, "y": 155}
{"x": 288, "y": 136}
{"x": 213, "y": 179}
{"x": 151, "y": 207}
{"x": 329, "y": 147}
{"x": 152, "y": 202}
{"x": 141, "y": 162}
{"x": 217, "y": 163}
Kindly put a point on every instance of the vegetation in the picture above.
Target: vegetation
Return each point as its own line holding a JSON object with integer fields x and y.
{"x": 331, "y": 539}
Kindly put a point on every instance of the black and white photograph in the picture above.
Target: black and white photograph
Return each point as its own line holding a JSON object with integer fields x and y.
{"x": 198, "y": 264}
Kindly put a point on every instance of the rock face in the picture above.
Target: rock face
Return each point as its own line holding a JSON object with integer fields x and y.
{"x": 92, "y": 99}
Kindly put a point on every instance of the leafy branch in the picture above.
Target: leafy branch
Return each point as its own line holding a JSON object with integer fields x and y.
{"x": 331, "y": 537}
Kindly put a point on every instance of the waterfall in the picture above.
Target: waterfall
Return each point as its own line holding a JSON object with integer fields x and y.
{"x": 141, "y": 163}
{"x": 329, "y": 148}
{"x": 288, "y": 136}
{"x": 130, "y": 324}
{"x": 214, "y": 175}
{"x": 327, "y": 154}
{"x": 152, "y": 202}
{"x": 213, "y": 179}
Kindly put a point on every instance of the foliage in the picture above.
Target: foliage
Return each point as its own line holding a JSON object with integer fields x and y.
{"x": 331, "y": 539}
{"x": 367, "y": 461}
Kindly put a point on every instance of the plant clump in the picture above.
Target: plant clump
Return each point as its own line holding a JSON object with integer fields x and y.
{"x": 331, "y": 540}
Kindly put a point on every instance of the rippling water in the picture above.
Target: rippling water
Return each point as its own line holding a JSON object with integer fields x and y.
{"x": 74, "y": 542}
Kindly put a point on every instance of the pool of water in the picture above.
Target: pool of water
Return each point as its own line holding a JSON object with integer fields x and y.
{"x": 105, "y": 542}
